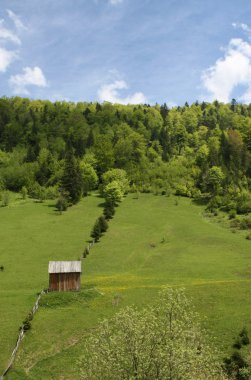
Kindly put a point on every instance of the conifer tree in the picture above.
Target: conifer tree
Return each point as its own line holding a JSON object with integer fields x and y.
{"x": 96, "y": 232}
{"x": 109, "y": 210}
{"x": 72, "y": 180}
{"x": 103, "y": 224}
{"x": 86, "y": 252}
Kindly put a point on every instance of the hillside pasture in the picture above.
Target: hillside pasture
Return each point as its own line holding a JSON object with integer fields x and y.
{"x": 153, "y": 241}
{"x": 31, "y": 234}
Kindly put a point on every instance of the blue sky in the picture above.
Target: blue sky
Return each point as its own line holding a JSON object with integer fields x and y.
{"x": 127, "y": 51}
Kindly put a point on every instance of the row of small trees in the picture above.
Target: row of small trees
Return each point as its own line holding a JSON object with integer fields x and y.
{"x": 114, "y": 186}
{"x": 101, "y": 224}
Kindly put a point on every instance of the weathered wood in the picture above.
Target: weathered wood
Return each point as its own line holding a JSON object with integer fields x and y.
{"x": 64, "y": 267}
{"x": 64, "y": 275}
{"x": 64, "y": 281}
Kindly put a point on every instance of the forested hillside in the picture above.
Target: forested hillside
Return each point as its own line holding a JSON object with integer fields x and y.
{"x": 201, "y": 150}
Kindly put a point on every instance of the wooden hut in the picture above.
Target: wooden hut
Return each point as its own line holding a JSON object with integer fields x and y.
{"x": 64, "y": 275}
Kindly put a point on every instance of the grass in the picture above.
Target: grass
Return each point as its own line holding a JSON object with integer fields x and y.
{"x": 151, "y": 243}
{"x": 31, "y": 234}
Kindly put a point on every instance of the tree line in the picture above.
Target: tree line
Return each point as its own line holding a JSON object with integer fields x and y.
{"x": 64, "y": 150}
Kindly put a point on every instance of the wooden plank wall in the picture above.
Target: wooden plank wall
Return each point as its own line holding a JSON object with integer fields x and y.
{"x": 64, "y": 281}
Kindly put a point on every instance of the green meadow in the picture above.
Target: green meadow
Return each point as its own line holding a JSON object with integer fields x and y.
{"x": 153, "y": 241}
{"x": 31, "y": 234}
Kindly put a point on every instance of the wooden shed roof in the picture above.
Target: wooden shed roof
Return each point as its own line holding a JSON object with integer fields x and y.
{"x": 64, "y": 267}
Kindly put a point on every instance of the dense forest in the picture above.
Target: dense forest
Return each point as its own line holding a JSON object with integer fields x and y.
{"x": 202, "y": 150}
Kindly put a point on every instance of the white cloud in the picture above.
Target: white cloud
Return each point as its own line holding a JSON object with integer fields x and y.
{"x": 230, "y": 71}
{"x": 110, "y": 93}
{"x": 6, "y": 58}
{"x": 115, "y": 2}
{"x": 7, "y": 34}
{"x": 17, "y": 22}
{"x": 29, "y": 77}
{"x": 240, "y": 25}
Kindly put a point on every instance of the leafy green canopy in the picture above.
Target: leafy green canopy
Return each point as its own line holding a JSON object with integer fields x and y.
{"x": 201, "y": 149}
{"x": 163, "y": 341}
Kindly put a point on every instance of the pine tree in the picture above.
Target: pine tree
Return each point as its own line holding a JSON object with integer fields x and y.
{"x": 72, "y": 180}
{"x": 96, "y": 232}
{"x": 86, "y": 252}
{"x": 33, "y": 144}
{"x": 109, "y": 211}
{"x": 103, "y": 224}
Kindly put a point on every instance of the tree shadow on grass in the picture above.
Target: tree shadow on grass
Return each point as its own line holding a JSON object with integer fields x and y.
{"x": 102, "y": 205}
{"x": 51, "y": 206}
{"x": 201, "y": 201}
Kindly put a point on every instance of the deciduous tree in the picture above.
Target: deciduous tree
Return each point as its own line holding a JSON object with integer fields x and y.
{"x": 163, "y": 342}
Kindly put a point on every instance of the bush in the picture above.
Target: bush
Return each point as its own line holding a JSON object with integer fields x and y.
{"x": 17, "y": 176}
{"x": 113, "y": 193}
{"x": 232, "y": 214}
{"x": 24, "y": 192}
{"x": 237, "y": 366}
{"x": 196, "y": 194}
{"x": 245, "y": 223}
{"x": 244, "y": 207}
{"x": 5, "y": 198}
{"x": 182, "y": 190}
{"x": 89, "y": 177}
{"x": 248, "y": 237}
{"x": 146, "y": 189}
{"x": 51, "y": 192}
{"x": 214, "y": 203}
{"x": 1, "y": 184}
{"x": 115, "y": 175}
{"x": 26, "y": 324}
{"x": 62, "y": 204}
{"x": 234, "y": 365}
{"x": 237, "y": 344}
{"x": 86, "y": 252}
{"x": 244, "y": 337}
{"x": 37, "y": 191}
{"x": 244, "y": 202}
{"x": 242, "y": 224}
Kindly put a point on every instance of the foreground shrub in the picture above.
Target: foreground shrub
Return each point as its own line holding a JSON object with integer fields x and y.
{"x": 160, "y": 342}
{"x": 238, "y": 365}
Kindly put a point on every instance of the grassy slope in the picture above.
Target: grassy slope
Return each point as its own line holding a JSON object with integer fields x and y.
{"x": 131, "y": 261}
{"x": 31, "y": 234}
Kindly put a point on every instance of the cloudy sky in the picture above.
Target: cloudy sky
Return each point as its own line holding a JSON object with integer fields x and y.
{"x": 126, "y": 51}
